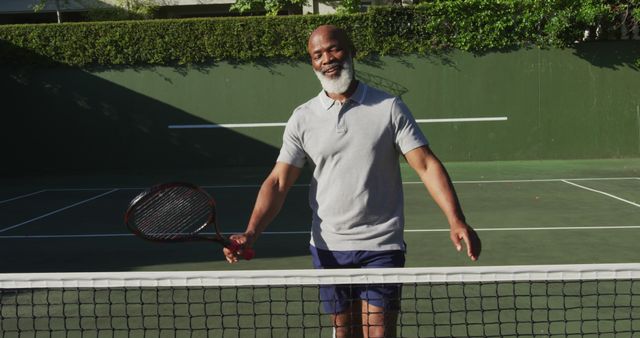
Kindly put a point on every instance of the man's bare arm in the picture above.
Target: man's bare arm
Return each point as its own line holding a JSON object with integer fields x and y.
{"x": 268, "y": 204}
{"x": 435, "y": 178}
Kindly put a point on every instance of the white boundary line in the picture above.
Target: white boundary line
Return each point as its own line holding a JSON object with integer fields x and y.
{"x": 65, "y": 236}
{"x": 243, "y": 186}
{"x": 22, "y": 196}
{"x": 56, "y": 211}
{"x": 406, "y": 183}
{"x": 537, "y": 228}
{"x": 93, "y": 189}
{"x": 623, "y": 227}
{"x": 542, "y": 180}
{"x": 282, "y": 124}
{"x": 464, "y": 119}
{"x": 226, "y": 125}
{"x": 603, "y": 193}
{"x": 603, "y": 227}
{"x": 538, "y": 180}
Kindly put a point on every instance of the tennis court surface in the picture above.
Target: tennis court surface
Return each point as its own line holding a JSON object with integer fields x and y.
{"x": 526, "y": 213}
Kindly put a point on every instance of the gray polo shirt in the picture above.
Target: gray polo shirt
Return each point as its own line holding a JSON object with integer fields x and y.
{"x": 353, "y": 149}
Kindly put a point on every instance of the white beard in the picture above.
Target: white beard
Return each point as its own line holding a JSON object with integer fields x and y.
{"x": 340, "y": 84}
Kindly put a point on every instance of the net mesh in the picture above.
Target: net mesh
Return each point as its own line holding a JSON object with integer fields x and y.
{"x": 548, "y": 301}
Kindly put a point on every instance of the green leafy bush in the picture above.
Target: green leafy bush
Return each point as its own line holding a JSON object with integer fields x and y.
{"x": 431, "y": 27}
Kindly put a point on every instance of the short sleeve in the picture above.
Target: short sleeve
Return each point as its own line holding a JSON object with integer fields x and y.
{"x": 292, "y": 151}
{"x": 408, "y": 135}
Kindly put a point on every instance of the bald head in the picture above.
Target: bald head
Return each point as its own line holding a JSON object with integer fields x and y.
{"x": 330, "y": 33}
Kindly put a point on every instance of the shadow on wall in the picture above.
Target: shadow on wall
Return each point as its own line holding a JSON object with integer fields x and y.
{"x": 613, "y": 55}
{"x": 61, "y": 119}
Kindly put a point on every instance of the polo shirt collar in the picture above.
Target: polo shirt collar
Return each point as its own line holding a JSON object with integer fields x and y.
{"x": 358, "y": 96}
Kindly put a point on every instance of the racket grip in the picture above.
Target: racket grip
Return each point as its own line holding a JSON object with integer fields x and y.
{"x": 247, "y": 253}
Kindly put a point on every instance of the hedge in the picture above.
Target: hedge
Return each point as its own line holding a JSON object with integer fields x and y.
{"x": 432, "y": 27}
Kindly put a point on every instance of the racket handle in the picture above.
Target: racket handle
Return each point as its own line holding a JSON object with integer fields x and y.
{"x": 247, "y": 253}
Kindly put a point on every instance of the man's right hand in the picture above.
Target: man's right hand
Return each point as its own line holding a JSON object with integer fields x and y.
{"x": 245, "y": 240}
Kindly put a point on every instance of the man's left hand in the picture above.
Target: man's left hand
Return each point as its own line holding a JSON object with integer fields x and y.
{"x": 461, "y": 232}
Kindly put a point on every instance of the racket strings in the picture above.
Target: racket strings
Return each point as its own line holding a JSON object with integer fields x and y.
{"x": 180, "y": 213}
{"x": 185, "y": 213}
{"x": 173, "y": 213}
{"x": 189, "y": 217}
{"x": 175, "y": 218}
{"x": 153, "y": 215}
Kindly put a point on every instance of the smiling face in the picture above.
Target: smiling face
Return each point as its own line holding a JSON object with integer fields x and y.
{"x": 331, "y": 58}
{"x": 328, "y": 47}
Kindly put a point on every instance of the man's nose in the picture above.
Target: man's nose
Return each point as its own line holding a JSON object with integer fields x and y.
{"x": 327, "y": 58}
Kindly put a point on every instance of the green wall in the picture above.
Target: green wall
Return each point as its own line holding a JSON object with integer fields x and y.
{"x": 560, "y": 104}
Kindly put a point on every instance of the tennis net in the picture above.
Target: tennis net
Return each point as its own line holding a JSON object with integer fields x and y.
{"x": 501, "y": 301}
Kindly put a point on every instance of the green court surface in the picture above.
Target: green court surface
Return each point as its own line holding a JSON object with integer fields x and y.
{"x": 529, "y": 212}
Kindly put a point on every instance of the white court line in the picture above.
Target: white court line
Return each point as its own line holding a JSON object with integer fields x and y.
{"x": 56, "y": 211}
{"x": 482, "y": 229}
{"x": 243, "y": 186}
{"x": 226, "y": 125}
{"x": 282, "y": 124}
{"x": 536, "y": 228}
{"x": 407, "y": 182}
{"x": 144, "y": 188}
{"x": 464, "y": 119}
{"x": 94, "y": 189}
{"x": 65, "y": 236}
{"x": 309, "y": 232}
{"x": 539, "y": 180}
{"x": 246, "y": 186}
{"x": 603, "y": 193}
{"x": 22, "y": 196}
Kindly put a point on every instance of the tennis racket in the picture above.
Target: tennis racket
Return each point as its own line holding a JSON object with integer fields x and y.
{"x": 177, "y": 212}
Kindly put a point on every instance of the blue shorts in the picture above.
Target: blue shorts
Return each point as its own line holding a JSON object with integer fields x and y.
{"x": 338, "y": 298}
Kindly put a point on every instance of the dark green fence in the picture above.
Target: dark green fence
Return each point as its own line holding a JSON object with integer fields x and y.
{"x": 543, "y": 104}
